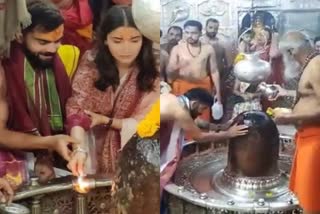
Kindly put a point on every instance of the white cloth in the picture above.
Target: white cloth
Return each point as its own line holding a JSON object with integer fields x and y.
{"x": 13, "y": 16}
{"x": 176, "y": 137}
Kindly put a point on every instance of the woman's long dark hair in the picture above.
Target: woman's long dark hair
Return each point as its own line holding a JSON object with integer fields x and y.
{"x": 119, "y": 16}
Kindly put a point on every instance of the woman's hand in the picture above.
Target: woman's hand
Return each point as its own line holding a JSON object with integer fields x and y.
{"x": 97, "y": 119}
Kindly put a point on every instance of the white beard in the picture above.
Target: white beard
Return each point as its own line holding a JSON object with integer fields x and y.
{"x": 291, "y": 67}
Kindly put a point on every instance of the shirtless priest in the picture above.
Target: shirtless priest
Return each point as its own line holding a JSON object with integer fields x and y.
{"x": 301, "y": 60}
{"x": 192, "y": 64}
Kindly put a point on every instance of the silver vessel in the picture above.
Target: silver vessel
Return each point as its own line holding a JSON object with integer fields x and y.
{"x": 268, "y": 90}
{"x": 252, "y": 69}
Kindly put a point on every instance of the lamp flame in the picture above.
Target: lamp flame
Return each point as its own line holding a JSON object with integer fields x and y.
{"x": 82, "y": 185}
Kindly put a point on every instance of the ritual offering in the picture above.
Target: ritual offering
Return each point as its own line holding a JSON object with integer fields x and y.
{"x": 137, "y": 182}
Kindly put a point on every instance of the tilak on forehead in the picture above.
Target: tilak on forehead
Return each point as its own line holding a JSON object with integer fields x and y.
{"x": 51, "y": 36}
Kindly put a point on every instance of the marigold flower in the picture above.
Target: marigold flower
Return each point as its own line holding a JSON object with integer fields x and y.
{"x": 151, "y": 123}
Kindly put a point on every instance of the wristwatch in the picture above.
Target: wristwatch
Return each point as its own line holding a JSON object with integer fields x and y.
{"x": 109, "y": 124}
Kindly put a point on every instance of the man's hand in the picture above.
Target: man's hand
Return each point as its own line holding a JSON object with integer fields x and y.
{"x": 218, "y": 97}
{"x": 214, "y": 127}
{"x": 43, "y": 169}
{"x": 226, "y": 125}
{"x": 60, "y": 143}
{"x": 280, "y": 111}
{"x": 6, "y": 191}
{"x": 77, "y": 163}
{"x": 281, "y": 92}
{"x": 237, "y": 130}
{"x": 282, "y": 116}
{"x": 284, "y": 119}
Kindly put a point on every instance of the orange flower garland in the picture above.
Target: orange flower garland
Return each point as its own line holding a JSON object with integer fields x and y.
{"x": 151, "y": 123}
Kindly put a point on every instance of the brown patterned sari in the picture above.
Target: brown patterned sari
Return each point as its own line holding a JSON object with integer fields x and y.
{"x": 126, "y": 103}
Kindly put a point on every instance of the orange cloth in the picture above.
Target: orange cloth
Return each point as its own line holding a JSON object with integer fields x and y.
{"x": 180, "y": 87}
{"x": 305, "y": 173}
{"x": 78, "y": 28}
{"x": 86, "y": 32}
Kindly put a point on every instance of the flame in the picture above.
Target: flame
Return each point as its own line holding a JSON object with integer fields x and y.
{"x": 82, "y": 185}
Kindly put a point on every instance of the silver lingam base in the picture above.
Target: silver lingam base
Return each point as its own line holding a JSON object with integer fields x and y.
{"x": 201, "y": 184}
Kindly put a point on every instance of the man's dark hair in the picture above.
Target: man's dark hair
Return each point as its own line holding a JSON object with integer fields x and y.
{"x": 212, "y": 20}
{"x": 45, "y": 16}
{"x": 201, "y": 95}
{"x": 316, "y": 39}
{"x": 174, "y": 27}
{"x": 193, "y": 23}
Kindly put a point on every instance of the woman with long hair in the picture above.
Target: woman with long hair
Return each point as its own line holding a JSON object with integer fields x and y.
{"x": 113, "y": 89}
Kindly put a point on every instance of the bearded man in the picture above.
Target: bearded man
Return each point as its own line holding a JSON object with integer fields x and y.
{"x": 174, "y": 35}
{"x": 212, "y": 28}
{"x": 178, "y": 116}
{"x": 303, "y": 62}
{"x": 35, "y": 85}
{"x": 192, "y": 64}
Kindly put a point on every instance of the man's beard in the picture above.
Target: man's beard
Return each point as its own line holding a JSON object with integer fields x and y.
{"x": 35, "y": 60}
{"x": 291, "y": 67}
{"x": 211, "y": 35}
{"x": 173, "y": 42}
{"x": 192, "y": 41}
{"x": 194, "y": 114}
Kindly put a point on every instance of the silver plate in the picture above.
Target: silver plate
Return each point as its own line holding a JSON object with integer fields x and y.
{"x": 14, "y": 209}
{"x": 198, "y": 181}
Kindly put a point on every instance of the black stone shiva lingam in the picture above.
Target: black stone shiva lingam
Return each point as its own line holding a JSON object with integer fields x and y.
{"x": 247, "y": 177}
{"x": 137, "y": 185}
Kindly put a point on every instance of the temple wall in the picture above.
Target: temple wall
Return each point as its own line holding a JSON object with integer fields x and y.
{"x": 288, "y": 14}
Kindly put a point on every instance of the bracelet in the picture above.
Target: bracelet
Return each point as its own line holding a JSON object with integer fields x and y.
{"x": 79, "y": 149}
